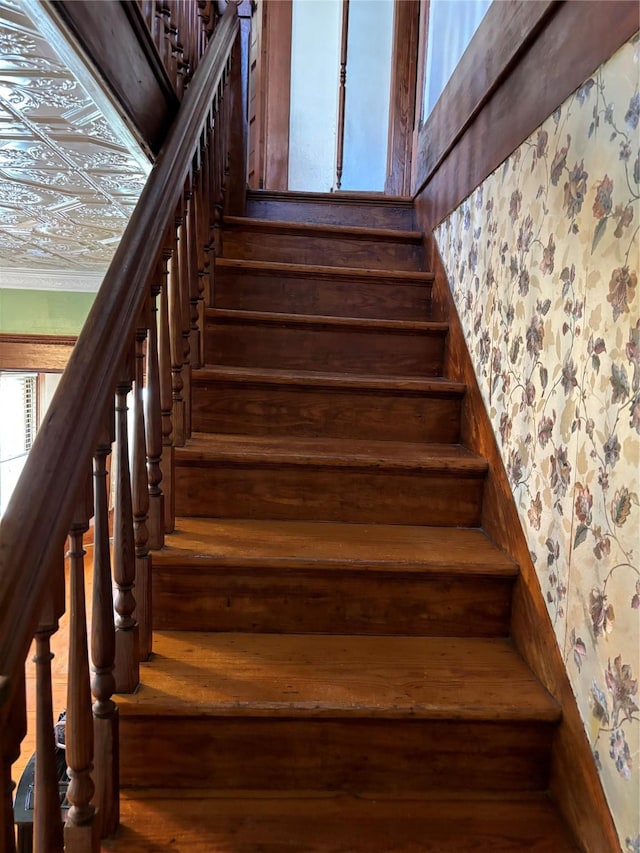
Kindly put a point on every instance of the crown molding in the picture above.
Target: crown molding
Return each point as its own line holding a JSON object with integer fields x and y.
{"x": 71, "y": 281}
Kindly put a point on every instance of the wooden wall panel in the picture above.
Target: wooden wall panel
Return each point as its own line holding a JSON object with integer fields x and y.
{"x": 115, "y": 37}
{"x": 276, "y": 92}
{"x": 575, "y": 784}
{"x": 403, "y": 96}
{"x": 41, "y": 353}
{"x": 560, "y": 44}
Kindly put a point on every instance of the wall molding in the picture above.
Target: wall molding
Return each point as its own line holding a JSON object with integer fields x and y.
{"x": 40, "y": 353}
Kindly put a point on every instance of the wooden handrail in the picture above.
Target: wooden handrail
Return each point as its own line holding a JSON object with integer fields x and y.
{"x": 42, "y": 507}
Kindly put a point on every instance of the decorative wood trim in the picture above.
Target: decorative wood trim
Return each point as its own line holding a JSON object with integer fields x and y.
{"x": 494, "y": 88}
{"x": 403, "y": 96}
{"x": 134, "y": 72}
{"x": 575, "y": 784}
{"x": 508, "y": 28}
{"x": 276, "y": 64}
{"x": 255, "y": 105}
{"x": 41, "y": 353}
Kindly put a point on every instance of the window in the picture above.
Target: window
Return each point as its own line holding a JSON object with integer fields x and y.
{"x": 18, "y": 402}
{"x": 451, "y": 26}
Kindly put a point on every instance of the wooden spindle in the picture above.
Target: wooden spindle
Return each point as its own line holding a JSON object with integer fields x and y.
{"x": 166, "y": 398}
{"x": 153, "y": 422}
{"x": 81, "y": 827}
{"x": 127, "y": 668}
{"x": 177, "y": 348}
{"x": 342, "y": 93}
{"x": 202, "y": 242}
{"x": 206, "y": 281}
{"x": 47, "y": 821}
{"x": 13, "y": 728}
{"x": 103, "y": 649}
{"x": 182, "y": 214}
{"x": 194, "y": 273}
{"x": 140, "y": 498}
{"x": 184, "y": 272}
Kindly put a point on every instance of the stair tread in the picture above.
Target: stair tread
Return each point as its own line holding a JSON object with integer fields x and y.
{"x": 322, "y": 229}
{"x": 267, "y": 543}
{"x": 309, "y": 822}
{"x": 395, "y": 276}
{"x": 238, "y": 315}
{"x": 338, "y": 196}
{"x": 333, "y": 452}
{"x": 315, "y": 675}
{"x": 437, "y": 385}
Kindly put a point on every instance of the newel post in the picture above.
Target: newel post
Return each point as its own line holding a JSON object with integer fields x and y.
{"x": 238, "y": 119}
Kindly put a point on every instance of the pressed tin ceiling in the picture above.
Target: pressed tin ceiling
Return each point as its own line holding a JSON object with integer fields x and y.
{"x": 70, "y": 170}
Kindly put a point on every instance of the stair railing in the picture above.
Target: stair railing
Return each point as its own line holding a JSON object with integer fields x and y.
{"x": 143, "y": 333}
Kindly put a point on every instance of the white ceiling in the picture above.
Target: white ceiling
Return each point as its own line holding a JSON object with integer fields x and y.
{"x": 70, "y": 170}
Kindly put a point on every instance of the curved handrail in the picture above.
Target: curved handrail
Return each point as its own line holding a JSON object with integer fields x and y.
{"x": 40, "y": 512}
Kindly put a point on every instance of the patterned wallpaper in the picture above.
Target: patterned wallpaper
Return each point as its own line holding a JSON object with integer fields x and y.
{"x": 543, "y": 260}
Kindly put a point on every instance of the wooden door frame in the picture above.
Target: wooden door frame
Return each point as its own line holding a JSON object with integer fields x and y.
{"x": 271, "y": 112}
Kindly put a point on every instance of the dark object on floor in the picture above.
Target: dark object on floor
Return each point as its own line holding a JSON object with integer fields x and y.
{"x": 25, "y": 793}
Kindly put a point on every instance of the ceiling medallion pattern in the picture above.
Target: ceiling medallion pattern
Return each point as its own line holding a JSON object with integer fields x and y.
{"x": 68, "y": 179}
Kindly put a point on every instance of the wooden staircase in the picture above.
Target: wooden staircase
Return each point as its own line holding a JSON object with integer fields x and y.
{"x": 332, "y": 670}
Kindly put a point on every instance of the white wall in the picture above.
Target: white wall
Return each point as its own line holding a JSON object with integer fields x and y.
{"x": 368, "y": 91}
{"x": 315, "y": 63}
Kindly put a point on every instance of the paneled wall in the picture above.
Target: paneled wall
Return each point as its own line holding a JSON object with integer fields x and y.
{"x": 543, "y": 260}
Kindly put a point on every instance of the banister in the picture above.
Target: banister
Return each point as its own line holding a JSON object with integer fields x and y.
{"x": 41, "y": 509}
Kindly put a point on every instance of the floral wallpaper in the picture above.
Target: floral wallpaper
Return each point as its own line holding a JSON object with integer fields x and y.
{"x": 543, "y": 261}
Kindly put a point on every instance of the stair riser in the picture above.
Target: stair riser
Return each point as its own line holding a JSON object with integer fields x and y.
{"x": 399, "y": 756}
{"x": 328, "y": 494}
{"x": 379, "y": 352}
{"x": 233, "y": 598}
{"x": 360, "y": 252}
{"x": 310, "y": 294}
{"x": 331, "y": 213}
{"x": 335, "y": 413}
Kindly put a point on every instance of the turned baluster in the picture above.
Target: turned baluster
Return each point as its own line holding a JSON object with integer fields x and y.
{"x": 153, "y": 423}
{"x": 81, "y": 828}
{"x": 127, "y": 667}
{"x": 47, "y": 822}
{"x": 13, "y": 728}
{"x": 206, "y": 282}
{"x": 201, "y": 279}
{"x": 165, "y": 49}
{"x": 194, "y": 272}
{"x": 182, "y": 213}
{"x": 166, "y": 398}
{"x": 140, "y": 496}
{"x": 217, "y": 169}
{"x": 103, "y": 648}
{"x": 177, "y": 347}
